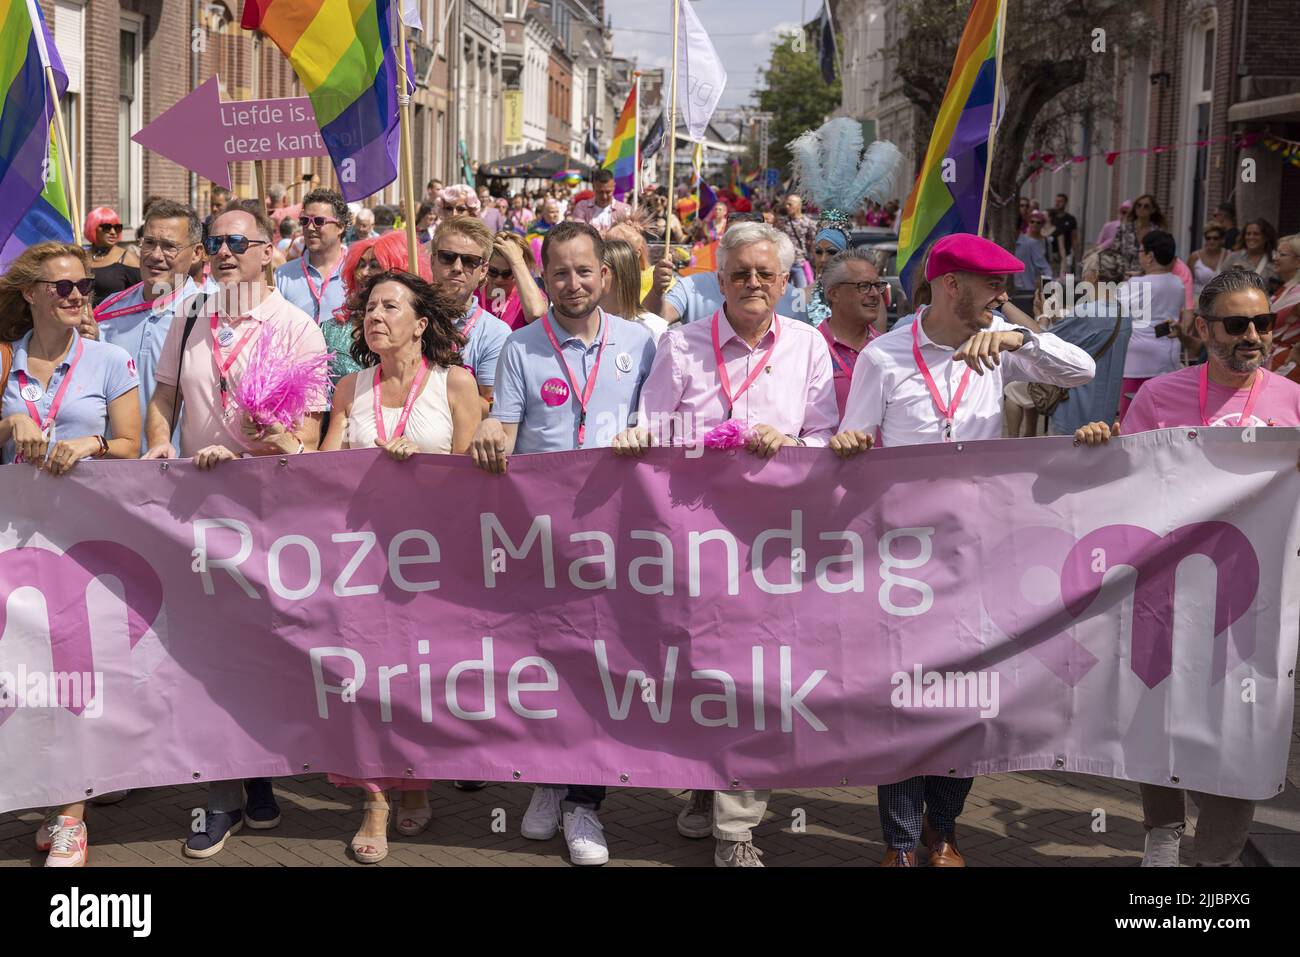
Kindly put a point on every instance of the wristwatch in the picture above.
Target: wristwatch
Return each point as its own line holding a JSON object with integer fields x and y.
{"x": 1026, "y": 334}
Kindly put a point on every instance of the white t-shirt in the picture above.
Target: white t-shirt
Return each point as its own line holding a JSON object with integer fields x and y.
{"x": 1151, "y": 300}
{"x": 656, "y": 325}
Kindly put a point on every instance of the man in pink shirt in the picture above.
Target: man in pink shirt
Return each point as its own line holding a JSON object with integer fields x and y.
{"x": 602, "y": 210}
{"x": 1232, "y": 389}
{"x": 771, "y": 375}
{"x": 856, "y": 294}
{"x": 220, "y": 331}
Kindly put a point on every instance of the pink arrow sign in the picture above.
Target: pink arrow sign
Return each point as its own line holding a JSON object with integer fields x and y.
{"x": 205, "y": 134}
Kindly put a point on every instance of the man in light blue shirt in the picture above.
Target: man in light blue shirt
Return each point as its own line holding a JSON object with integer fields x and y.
{"x": 312, "y": 281}
{"x": 137, "y": 319}
{"x": 458, "y": 255}
{"x": 570, "y": 380}
{"x": 1031, "y": 249}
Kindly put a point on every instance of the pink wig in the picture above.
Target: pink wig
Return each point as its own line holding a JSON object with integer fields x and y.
{"x": 391, "y": 251}
{"x": 460, "y": 193}
{"x": 95, "y": 218}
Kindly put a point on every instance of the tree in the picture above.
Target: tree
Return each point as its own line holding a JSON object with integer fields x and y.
{"x": 1061, "y": 60}
{"x": 795, "y": 94}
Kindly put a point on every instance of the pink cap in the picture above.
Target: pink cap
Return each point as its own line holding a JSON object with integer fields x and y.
{"x": 964, "y": 252}
{"x": 1125, "y": 206}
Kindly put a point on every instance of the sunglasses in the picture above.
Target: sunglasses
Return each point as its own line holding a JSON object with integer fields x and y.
{"x": 111, "y": 227}
{"x": 1236, "y": 325}
{"x": 450, "y": 258}
{"x": 1214, "y": 235}
{"x": 63, "y": 287}
{"x": 496, "y": 273}
{"x": 764, "y": 277}
{"x": 318, "y": 221}
{"x": 238, "y": 244}
{"x": 456, "y": 210}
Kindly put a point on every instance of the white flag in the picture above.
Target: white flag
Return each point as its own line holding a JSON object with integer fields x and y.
{"x": 700, "y": 76}
{"x": 410, "y": 13}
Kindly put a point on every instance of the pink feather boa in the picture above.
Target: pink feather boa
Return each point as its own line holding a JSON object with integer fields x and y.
{"x": 731, "y": 434}
{"x": 277, "y": 385}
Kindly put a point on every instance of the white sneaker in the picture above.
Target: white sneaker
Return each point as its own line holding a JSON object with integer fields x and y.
{"x": 69, "y": 844}
{"x": 542, "y": 819}
{"x": 1162, "y": 846}
{"x": 736, "y": 854}
{"x": 585, "y": 836}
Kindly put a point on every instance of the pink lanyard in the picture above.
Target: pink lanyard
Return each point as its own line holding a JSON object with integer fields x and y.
{"x": 406, "y": 407}
{"x": 1256, "y": 388}
{"x": 104, "y": 312}
{"x": 585, "y": 396}
{"x": 948, "y": 412}
{"x": 223, "y": 366}
{"x": 835, "y": 356}
{"x": 318, "y": 293}
{"x": 32, "y": 410}
{"x": 472, "y": 321}
{"x": 722, "y": 366}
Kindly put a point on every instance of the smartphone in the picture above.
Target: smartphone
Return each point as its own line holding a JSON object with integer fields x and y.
{"x": 1162, "y": 329}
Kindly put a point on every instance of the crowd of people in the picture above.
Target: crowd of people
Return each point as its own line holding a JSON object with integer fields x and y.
{"x": 540, "y": 323}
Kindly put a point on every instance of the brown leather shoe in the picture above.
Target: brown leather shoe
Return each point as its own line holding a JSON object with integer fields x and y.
{"x": 942, "y": 847}
{"x": 897, "y": 858}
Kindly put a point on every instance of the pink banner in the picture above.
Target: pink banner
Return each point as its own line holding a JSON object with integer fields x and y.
{"x": 689, "y": 620}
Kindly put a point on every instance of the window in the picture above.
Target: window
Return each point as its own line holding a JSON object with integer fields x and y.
{"x": 70, "y": 38}
{"x": 512, "y": 8}
{"x": 130, "y": 160}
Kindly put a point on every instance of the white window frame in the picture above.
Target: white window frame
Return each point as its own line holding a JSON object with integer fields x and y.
{"x": 131, "y": 215}
{"x": 1205, "y": 20}
{"x": 78, "y": 90}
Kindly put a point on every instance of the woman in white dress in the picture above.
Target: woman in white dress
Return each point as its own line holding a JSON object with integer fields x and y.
{"x": 411, "y": 395}
{"x": 1209, "y": 260}
{"x": 624, "y": 296}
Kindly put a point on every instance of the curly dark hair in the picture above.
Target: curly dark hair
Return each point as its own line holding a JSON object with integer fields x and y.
{"x": 441, "y": 343}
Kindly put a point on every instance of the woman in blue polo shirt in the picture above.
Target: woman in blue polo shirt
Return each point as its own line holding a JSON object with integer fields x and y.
{"x": 64, "y": 395}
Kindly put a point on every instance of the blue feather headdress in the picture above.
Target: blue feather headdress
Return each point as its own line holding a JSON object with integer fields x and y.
{"x": 831, "y": 169}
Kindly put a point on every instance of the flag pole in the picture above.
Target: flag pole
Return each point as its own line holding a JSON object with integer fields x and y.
{"x": 407, "y": 167}
{"x": 65, "y": 159}
{"x": 672, "y": 135}
{"x": 259, "y": 166}
{"x": 636, "y": 140}
{"x": 993, "y": 120}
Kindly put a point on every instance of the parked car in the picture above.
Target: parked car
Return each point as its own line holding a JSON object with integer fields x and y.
{"x": 884, "y": 244}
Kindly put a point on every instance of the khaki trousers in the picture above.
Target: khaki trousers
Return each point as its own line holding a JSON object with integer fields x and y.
{"x": 737, "y": 813}
{"x": 1221, "y": 827}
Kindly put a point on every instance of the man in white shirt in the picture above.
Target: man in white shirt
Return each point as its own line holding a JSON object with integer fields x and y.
{"x": 907, "y": 401}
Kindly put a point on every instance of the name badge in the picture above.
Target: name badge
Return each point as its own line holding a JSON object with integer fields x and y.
{"x": 623, "y": 362}
{"x": 32, "y": 392}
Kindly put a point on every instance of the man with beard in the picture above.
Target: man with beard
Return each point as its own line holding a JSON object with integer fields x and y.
{"x": 570, "y": 380}
{"x": 1232, "y": 389}
{"x": 459, "y": 254}
{"x": 913, "y": 386}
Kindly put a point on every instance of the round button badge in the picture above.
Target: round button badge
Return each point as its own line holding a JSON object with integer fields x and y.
{"x": 623, "y": 362}
{"x": 225, "y": 336}
{"x": 555, "y": 392}
{"x": 32, "y": 392}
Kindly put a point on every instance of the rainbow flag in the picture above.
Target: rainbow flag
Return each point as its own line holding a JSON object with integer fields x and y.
{"x": 948, "y": 196}
{"x": 342, "y": 51}
{"x": 35, "y": 206}
{"x": 621, "y": 157}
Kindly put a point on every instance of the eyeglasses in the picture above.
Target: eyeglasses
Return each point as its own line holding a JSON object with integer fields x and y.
{"x": 238, "y": 244}
{"x": 765, "y": 277}
{"x": 496, "y": 273}
{"x": 318, "y": 221}
{"x": 63, "y": 287}
{"x": 879, "y": 287}
{"x": 111, "y": 227}
{"x": 449, "y": 259}
{"x": 168, "y": 249}
{"x": 1236, "y": 325}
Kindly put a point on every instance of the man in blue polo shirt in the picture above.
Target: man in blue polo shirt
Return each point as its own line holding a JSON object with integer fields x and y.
{"x": 138, "y": 318}
{"x": 459, "y": 254}
{"x": 312, "y": 281}
{"x": 571, "y": 380}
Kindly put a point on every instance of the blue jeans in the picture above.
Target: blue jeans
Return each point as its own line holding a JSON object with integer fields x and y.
{"x": 228, "y": 796}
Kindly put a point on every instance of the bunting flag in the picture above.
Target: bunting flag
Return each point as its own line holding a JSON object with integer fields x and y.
{"x": 342, "y": 52}
{"x": 949, "y": 190}
{"x": 35, "y": 206}
{"x": 621, "y": 158}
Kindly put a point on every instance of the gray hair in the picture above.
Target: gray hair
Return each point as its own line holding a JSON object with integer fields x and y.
{"x": 747, "y": 234}
{"x": 366, "y": 214}
{"x": 1228, "y": 281}
{"x": 839, "y": 264}
{"x": 276, "y": 191}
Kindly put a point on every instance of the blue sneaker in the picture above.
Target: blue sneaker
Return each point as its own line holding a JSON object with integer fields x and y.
{"x": 219, "y": 825}
{"x": 261, "y": 811}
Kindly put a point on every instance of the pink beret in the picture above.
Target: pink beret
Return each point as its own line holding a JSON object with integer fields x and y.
{"x": 964, "y": 252}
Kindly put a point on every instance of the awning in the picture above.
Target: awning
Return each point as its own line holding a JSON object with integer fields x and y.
{"x": 1286, "y": 107}
{"x": 534, "y": 164}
